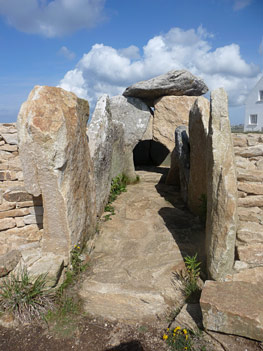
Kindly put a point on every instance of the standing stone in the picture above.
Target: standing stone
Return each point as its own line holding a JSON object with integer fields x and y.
{"x": 198, "y": 131}
{"x": 56, "y": 163}
{"x": 100, "y": 136}
{"x": 116, "y": 127}
{"x": 170, "y": 112}
{"x": 177, "y": 82}
{"x": 132, "y": 116}
{"x": 179, "y": 171}
{"x": 103, "y": 138}
{"x": 221, "y": 190}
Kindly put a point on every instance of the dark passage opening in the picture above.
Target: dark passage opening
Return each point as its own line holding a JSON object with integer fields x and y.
{"x": 151, "y": 153}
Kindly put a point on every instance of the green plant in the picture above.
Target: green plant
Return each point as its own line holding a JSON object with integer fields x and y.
{"x": 63, "y": 320}
{"x": 193, "y": 271}
{"x": 142, "y": 329}
{"x": 178, "y": 339}
{"x": 76, "y": 267}
{"x": 118, "y": 186}
{"x": 24, "y": 298}
{"x": 76, "y": 262}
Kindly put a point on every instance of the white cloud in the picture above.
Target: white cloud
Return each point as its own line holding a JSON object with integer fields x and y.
{"x": 107, "y": 70}
{"x": 241, "y": 4}
{"x": 64, "y": 51}
{"x": 52, "y": 18}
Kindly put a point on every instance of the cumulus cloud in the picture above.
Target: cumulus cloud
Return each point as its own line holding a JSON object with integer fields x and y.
{"x": 241, "y": 4}
{"x": 105, "y": 69}
{"x": 52, "y": 18}
{"x": 64, "y": 51}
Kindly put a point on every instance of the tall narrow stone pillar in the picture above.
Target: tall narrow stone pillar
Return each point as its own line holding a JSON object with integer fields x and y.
{"x": 56, "y": 163}
{"x": 221, "y": 190}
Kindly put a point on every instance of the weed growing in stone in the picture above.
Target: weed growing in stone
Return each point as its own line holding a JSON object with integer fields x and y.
{"x": 77, "y": 266}
{"x": 193, "y": 271}
{"x": 118, "y": 186}
{"x": 178, "y": 339}
{"x": 24, "y": 298}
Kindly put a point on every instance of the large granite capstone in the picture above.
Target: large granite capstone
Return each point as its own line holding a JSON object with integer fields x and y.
{"x": 177, "y": 82}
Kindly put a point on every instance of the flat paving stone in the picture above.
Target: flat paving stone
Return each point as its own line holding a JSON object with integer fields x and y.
{"x": 137, "y": 253}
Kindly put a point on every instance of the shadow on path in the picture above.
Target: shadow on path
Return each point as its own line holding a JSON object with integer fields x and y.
{"x": 130, "y": 346}
{"x": 186, "y": 229}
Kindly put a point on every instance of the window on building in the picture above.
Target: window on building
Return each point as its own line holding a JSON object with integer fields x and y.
{"x": 260, "y": 95}
{"x": 253, "y": 119}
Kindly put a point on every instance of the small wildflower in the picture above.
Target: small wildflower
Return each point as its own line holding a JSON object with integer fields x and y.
{"x": 165, "y": 336}
{"x": 185, "y": 348}
{"x": 78, "y": 247}
{"x": 167, "y": 329}
{"x": 176, "y": 329}
{"x": 184, "y": 331}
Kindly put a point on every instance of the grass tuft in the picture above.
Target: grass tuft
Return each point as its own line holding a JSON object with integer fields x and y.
{"x": 25, "y": 299}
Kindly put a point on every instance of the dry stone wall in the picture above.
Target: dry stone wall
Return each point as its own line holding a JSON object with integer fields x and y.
{"x": 249, "y": 162}
{"x": 21, "y": 214}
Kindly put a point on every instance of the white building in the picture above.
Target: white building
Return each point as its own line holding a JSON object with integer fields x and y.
{"x": 254, "y": 109}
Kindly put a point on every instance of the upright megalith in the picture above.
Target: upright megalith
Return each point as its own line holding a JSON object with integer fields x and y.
{"x": 56, "y": 163}
{"x": 170, "y": 112}
{"x": 179, "y": 171}
{"x": 221, "y": 190}
{"x": 132, "y": 115}
{"x": 117, "y": 125}
{"x": 102, "y": 138}
{"x": 198, "y": 131}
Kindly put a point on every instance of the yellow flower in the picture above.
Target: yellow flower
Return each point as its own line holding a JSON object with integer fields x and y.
{"x": 167, "y": 329}
{"x": 78, "y": 247}
{"x": 186, "y": 336}
{"x": 165, "y": 336}
{"x": 176, "y": 329}
{"x": 184, "y": 331}
{"x": 185, "y": 348}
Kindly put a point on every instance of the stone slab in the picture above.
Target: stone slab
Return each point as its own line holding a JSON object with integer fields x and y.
{"x": 252, "y": 254}
{"x": 170, "y": 112}
{"x": 250, "y": 232}
{"x": 7, "y": 223}
{"x": 9, "y": 261}
{"x": 251, "y": 188}
{"x": 251, "y": 201}
{"x": 233, "y": 308}
{"x": 178, "y": 82}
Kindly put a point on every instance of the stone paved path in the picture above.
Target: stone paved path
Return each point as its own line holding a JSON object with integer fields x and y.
{"x": 138, "y": 251}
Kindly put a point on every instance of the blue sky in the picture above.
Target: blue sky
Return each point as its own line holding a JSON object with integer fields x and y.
{"x": 93, "y": 47}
